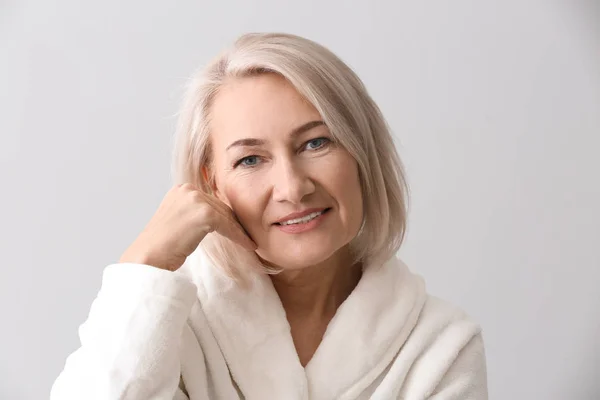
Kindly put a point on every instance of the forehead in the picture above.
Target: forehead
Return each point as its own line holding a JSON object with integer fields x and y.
{"x": 257, "y": 106}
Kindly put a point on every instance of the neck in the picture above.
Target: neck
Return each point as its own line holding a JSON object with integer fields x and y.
{"x": 317, "y": 291}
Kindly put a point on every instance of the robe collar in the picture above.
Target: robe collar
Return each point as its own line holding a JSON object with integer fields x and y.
{"x": 361, "y": 341}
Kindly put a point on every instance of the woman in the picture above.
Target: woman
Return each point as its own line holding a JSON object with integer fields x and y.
{"x": 269, "y": 270}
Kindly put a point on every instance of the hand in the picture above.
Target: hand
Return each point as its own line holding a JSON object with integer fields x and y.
{"x": 185, "y": 216}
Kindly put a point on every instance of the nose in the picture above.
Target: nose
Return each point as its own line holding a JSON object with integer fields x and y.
{"x": 291, "y": 183}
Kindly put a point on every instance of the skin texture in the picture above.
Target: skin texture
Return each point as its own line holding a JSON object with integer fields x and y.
{"x": 279, "y": 166}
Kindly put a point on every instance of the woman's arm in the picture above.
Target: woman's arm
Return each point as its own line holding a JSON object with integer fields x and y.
{"x": 130, "y": 343}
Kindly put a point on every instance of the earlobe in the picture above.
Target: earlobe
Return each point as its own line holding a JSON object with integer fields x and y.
{"x": 206, "y": 177}
{"x": 211, "y": 183}
{"x": 209, "y": 180}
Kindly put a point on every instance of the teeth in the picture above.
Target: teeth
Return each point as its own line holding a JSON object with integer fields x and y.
{"x": 303, "y": 220}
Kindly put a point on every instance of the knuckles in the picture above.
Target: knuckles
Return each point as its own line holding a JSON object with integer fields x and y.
{"x": 201, "y": 208}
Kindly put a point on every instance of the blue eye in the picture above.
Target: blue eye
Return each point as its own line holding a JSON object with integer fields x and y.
{"x": 316, "y": 144}
{"x": 249, "y": 161}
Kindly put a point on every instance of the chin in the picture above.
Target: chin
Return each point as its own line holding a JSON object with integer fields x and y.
{"x": 296, "y": 259}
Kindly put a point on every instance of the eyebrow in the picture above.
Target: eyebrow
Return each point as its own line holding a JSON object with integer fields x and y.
{"x": 249, "y": 142}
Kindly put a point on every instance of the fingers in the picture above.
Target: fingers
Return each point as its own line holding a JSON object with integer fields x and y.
{"x": 229, "y": 226}
{"x": 226, "y": 223}
{"x": 234, "y": 231}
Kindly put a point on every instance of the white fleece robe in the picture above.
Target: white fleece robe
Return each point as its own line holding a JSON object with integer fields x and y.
{"x": 192, "y": 334}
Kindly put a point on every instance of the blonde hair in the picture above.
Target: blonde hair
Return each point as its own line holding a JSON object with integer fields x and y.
{"x": 352, "y": 117}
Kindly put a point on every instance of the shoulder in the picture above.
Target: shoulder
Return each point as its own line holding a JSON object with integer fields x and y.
{"x": 445, "y": 337}
{"x": 446, "y": 352}
{"x": 435, "y": 315}
{"x": 439, "y": 313}
{"x": 442, "y": 321}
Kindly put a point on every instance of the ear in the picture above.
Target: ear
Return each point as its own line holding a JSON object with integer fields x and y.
{"x": 211, "y": 182}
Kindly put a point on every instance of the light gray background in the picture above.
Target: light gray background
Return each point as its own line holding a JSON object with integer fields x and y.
{"x": 495, "y": 105}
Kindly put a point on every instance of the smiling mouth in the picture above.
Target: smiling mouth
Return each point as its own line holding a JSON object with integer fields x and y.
{"x": 303, "y": 220}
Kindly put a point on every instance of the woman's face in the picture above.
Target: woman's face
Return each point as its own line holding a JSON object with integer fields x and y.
{"x": 295, "y": 191}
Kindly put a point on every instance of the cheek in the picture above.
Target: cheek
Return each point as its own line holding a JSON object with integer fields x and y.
{"x": 349, "y": 191}
{"x": 237, "y": 196}
{"x": 243, "y": 195}
{"x": 338, "y": 175}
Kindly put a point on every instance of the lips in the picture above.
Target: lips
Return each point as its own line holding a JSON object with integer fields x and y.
{"x": 302, "y": 216}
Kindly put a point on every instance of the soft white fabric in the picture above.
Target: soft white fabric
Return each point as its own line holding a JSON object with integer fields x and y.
{"x": 194, "y": 334}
